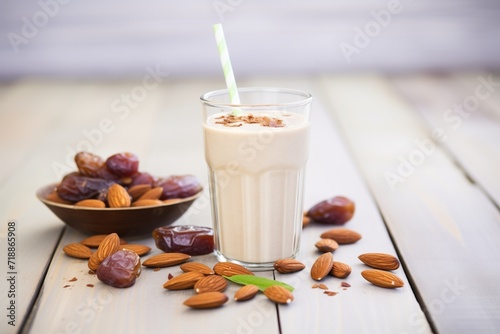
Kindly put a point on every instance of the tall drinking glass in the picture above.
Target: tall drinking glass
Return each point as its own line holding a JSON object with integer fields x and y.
{"x": 256, "y": 153}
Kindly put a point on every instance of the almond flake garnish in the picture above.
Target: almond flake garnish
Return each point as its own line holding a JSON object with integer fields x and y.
{"x": 231, "y": 120}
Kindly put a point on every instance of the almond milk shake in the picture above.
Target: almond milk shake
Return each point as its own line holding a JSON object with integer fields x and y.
{"x": 256, "y": 168}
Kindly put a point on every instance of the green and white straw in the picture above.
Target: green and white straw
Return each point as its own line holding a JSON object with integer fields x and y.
{"x": 226, "y": 66}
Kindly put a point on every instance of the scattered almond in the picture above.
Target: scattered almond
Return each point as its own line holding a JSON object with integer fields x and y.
{"x": 95, "y": 240}
{"x": 138, "y": 249}
{"x": 231, "y": 269}
{"x": 91, "y": 203}
{"x": 183, "y": 281}
{"x": 340, "y": 269}
{"x": 288, "y": 265}
{"x": 118, "y": 197}
{"x": 196, "y": 266}
{"x": 246, "y": 292}
{"x": 380, "y": 261}
{"x": 138, "y": 190}
{"x": 326, "y": 245}
{"x": 382, "y": 278}
{"x": 77, "y": 250}
{"x": 210, "y": 283}
{"x": 322, "y": 266}
{"x": 166, "y": 260}
{"x": 278, "y": 294}
{"x": 342, "y": 235}
{"x": 109, "y": 246}
{"x": 206, "y": 300}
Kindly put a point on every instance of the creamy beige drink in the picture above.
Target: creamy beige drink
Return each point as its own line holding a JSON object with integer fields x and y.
{"x": 256, "y": 182}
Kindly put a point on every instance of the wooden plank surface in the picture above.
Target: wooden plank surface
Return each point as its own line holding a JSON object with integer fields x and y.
{"x": 444, "y": 227}
{"x": 143, "y": 308}
{"x": 467, "y": 109}
{"x": 171, "y": 142}
{"x": 26, "y": 112}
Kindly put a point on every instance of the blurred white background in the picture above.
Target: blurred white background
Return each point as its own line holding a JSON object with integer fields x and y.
{"x": 120, "y": 38}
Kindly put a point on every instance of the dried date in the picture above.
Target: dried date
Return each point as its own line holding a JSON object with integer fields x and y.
{"x": 106, "y": 174}
{"x": 187, "y": 239}
{"x": 142, "y": 178}
{"x": 179, "y": 186}
{"x": 334, "y": 211}
{"x": 88, "y": 164}
{"x": 95, "y": 176}
{"x": 120, "y": 269}
{"x": 123, "y": 164}
{"x": 75, "y": 187}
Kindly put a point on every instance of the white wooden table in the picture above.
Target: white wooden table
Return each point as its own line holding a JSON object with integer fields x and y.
{"x": 434, "y": 204}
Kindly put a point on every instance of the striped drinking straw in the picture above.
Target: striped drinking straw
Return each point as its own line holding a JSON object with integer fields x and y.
{"x": 226, "y": 66}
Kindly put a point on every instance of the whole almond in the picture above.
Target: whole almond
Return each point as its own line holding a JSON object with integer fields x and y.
{"x": 210, "y": 283}
{"x": 91, "y": 203}
{"x": 278, "y": 294}
{"x": 380, "y": 261}
{"x": 322, "y": 266}
{"x": 77, "y": 250}
{"x": 196, "y": 266}
{"x": 246, "y": 292}
{"x": 231, "y": 269}
{"x": 326, "y": 245}
{"x": 109, "y": 246}
{"x": 95, "y": 240}
{"x": 288, "y": 265}
{"x": 206, "y": 300}
{"x": 166, "y": 260}
{"x": 382, "y": 278}
{"x": 183, "y": 281}
{"x": 154, "y": 193}
{"x": 118, "y": 197}
{"x": 147, "y": 202}
{"x": 138, "y": 190}
{"x": 340, "y": 269}
{"x": 342, "y": 235}
{"x": 136, "y": 248}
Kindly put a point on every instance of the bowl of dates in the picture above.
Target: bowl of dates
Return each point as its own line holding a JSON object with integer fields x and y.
{"x": 113, "y": 196}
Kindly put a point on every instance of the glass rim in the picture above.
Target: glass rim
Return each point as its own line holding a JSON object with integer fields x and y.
{"x": 304, "y": 98}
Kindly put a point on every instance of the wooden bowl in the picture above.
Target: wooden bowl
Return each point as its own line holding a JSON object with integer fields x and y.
{"x": 131, "y": 221}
